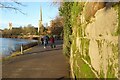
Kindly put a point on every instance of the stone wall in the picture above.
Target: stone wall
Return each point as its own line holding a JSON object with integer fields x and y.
{"x": 94, "y": 48}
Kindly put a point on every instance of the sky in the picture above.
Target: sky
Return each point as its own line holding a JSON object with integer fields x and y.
{"x": 32, "y": 11}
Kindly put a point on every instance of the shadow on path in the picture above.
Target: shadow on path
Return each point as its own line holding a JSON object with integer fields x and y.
{"x": 46, "y": 50}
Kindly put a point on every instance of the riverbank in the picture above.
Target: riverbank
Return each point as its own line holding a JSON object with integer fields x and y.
{"x": 25, "y": 48}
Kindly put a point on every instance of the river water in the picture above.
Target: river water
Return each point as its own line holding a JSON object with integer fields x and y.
{"x": 9, "y": 45}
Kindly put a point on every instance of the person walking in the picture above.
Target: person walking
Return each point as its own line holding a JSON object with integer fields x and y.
{"x": 42, "y": 40}
{"x": 52, "y": 42}
{"x": 45, "y": 41}
{"x": 47, "y": 38}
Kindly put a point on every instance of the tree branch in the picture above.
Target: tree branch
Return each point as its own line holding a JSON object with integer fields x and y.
{"x": 16, "y": 9}
{"x": 18, "y": 3}
{"x": 10, "y": 6}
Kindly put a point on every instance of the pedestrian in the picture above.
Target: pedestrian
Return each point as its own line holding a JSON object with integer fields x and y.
{"x": 42, "y": 41}
{"x": 45, "y": 41}
{"x": 52, "y": 42}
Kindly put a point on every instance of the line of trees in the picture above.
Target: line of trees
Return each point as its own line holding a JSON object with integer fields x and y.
{"x": 56, "y": 28}
{"x": 26, "y": 30}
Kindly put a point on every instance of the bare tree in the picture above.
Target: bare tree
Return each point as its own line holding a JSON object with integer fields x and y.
{"x": 9, "y": 5}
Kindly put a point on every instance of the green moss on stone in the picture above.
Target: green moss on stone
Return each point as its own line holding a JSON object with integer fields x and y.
{"x": 85, "y": 70}
{"x": 110, "y": 72}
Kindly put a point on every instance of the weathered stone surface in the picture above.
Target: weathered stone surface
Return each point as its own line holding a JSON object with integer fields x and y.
{"x": 91, "y": 8}
{"x": 101, "y": 29}
{"x": 97, "y": 50}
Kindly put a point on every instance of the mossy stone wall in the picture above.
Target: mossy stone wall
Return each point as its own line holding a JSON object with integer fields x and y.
{"x": 93, "y": 49}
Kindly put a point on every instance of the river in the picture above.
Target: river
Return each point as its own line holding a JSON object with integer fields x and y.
{"x": 9, "y": 45}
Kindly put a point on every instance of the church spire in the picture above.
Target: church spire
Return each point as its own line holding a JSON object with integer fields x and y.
{"x": 40, "y": 13}
{"x": 40, "y": 26}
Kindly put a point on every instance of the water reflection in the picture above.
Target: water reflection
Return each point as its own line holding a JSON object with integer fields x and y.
{"x": 8, "y": 45}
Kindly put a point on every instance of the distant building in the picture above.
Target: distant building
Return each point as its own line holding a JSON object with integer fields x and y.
{"x": 10, "y": 26}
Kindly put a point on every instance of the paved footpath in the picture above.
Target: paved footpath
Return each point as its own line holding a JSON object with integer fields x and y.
{"x": 37, "y": 63}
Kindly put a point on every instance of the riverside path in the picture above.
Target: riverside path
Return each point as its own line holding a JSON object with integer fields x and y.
{"x": 37, "y": 63}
